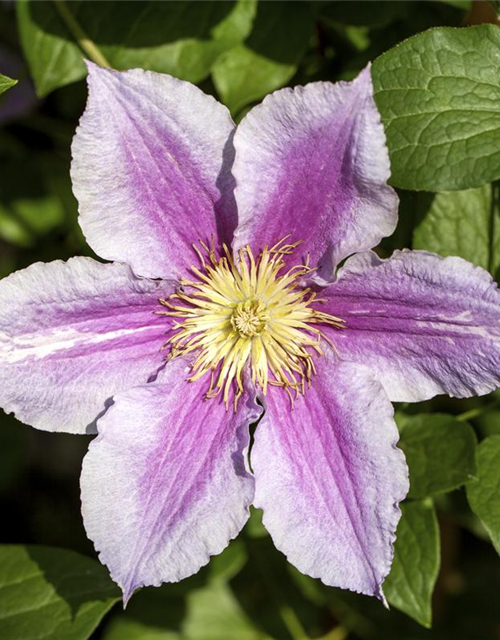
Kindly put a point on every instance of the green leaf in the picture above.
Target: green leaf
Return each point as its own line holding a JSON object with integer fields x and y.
{"x": 228, "y": 563}
{"x": 29, "y": 205}
{"x": 465, "y": 224}
{"x": 270, "y": 56}
{"x": 465, "y": 5}
{"x": 161, "y": 613}
{"x": 484, "y": 493}
{"x": 153, "y": 613}
{"x": 488, "y": 423}
{"x": 415, "y": 568}
{"x": 180, "y": 38}
{"x": 254, "y": 526}
{"x": 440, "y": 452}
{"x": 53, "y": 58}
{"x": 438, "y": 94}
{"x": 214, "y": 613}
{"x": 6, "y": 83}
{"x": 207, "y": 612}
{"x": 123, "y": 628}
{"x": 51, "y": 594}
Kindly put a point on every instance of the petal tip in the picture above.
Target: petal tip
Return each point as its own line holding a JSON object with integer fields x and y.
{"x": 364, "y": 79}
{"x": 128, "y": 592}
{"x": 92, "y": 67}
{"x": 95, "y": 72}
{"x": 379, "y": 594}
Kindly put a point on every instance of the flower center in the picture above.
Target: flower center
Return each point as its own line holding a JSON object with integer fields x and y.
{"x": 250, "y": 318}
{"x": 247, "y": 315}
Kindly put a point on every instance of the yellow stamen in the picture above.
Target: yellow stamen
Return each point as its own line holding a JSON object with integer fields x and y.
{"x": 245, "y": 313}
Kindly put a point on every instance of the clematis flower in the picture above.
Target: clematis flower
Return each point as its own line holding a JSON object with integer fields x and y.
{"x": 225, "y": 304}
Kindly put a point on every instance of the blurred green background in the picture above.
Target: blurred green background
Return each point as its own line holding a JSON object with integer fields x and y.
{"x": 238, "y": 52}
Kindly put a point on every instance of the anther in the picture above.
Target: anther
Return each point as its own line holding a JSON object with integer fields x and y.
{"x": 242, "y": 310}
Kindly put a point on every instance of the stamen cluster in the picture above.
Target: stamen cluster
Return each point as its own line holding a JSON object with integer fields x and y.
{"x": 248, "y": 312}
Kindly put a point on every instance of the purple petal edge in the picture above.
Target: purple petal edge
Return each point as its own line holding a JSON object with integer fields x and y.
{"x": 150, "y": 176}
{"x": 72, "y": 334}
{"x": 424, "y": 324}
{"x": 329, "y": 477}
{"x": 165, "y": 485}
{"x": 312, "y": 162}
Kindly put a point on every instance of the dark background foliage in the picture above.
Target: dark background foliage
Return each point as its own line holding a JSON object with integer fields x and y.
{"x": 240, "y": 51}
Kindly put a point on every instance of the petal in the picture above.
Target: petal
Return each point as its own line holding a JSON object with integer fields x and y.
{"x": 329, "y": 477}
{"x": 151, "y": 170}
{"x": 312, "y": 162}
{"x": 424, "y": 324}
{"x": 165, "y": 484}
{"x": 72, "y": 335}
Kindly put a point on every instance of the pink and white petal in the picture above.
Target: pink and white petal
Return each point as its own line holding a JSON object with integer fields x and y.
{"x": 312, "y": 162}
{"x": 424, "y": 324}
{"x": 165, "y": 485}
{"x": 72, "y": 334}
{"x": 329, "y": 477}
{"x": 151, "y": 170}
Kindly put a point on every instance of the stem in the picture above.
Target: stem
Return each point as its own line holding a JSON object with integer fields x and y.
{"x": 495, "y": 201}
{"x": 292, "y": 623}
{"x": 339, "y": 633}
{"x": 84, "y": 42}
{"x": 474, "y": 413}
{"x": 287, "y": 614}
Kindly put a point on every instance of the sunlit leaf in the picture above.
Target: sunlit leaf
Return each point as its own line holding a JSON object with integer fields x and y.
{"x": 180, "y": 38}
{"x": 438, "y": 94}
{"x": 269, "y": 57}
{"x": 6, "y": 83}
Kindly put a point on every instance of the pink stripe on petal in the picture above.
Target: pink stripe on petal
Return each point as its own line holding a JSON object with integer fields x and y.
{"x": 424, "y": 324}
{"x": 329, "y": 477}
{"x": 151, "y": 170}
{"x": 72, "y": 335}
{"x": 313, "y": 162}
{"x": 165, "y": 484}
